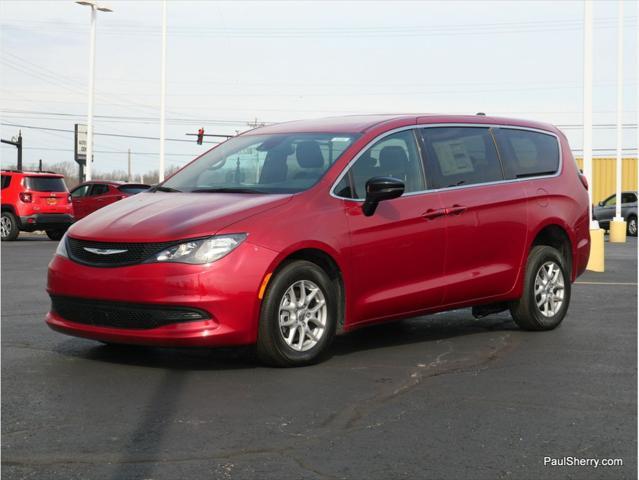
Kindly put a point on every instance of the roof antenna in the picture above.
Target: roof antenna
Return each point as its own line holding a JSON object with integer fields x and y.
{"x": 481, "y": 113}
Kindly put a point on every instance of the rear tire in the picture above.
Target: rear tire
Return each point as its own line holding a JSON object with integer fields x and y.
{"x": 632, "y": 226}
{"x": 9, "y": 227}
{"x": 298, "y": 316}
{"x": 546, "y": 294}
{"x": 55, "y": 234}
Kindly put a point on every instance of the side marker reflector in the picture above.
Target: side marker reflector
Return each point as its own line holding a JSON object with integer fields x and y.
{"x": 260, "y": 294}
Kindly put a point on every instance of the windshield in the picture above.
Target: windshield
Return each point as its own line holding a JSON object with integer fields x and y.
{"x": 133, "y": 189}
{"x": 281, "y": 163}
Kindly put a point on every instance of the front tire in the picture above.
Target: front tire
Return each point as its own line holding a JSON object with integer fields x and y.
{"x": 298, "y": 316}
{"x": 8, "y": 227}
{"x": 546, "y": 296}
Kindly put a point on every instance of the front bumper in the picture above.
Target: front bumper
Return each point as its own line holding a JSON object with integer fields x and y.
{"x": 226, "y": 291}
{"x": 45, "y": 221}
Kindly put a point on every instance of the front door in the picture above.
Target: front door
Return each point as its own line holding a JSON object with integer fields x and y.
{"x": 98, "y": 197}
{"x": 397, "y": 254}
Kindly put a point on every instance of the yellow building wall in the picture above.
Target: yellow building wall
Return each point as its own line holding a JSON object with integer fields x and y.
{"x": 604, "y": 176}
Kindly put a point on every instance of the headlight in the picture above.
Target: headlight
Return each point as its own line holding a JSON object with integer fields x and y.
{"x": 62, "y": 247}
{"x": 202, "y": 251}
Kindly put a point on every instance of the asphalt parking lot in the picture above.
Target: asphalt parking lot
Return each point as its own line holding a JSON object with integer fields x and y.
{"x": 444, "y": 396}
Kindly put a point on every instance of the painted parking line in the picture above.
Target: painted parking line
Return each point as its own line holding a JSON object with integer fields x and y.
{"x": 605, "y": 283}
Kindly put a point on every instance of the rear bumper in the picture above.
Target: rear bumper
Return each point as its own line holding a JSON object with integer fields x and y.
{"x": 45, "y": 221}
{"x": 226, "y": 291}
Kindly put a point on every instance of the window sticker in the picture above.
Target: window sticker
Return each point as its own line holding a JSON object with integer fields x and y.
{"x": 453, "y": 158}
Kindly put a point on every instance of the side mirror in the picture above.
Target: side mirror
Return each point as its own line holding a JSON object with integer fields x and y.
{"x": 379, "y": 189}
{"x": 601, "y": 204}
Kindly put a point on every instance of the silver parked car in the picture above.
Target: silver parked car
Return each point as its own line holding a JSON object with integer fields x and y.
{"x": 605, "y": 211}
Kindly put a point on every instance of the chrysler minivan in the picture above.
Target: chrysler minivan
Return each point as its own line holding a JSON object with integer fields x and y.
{"x": 289, "y": 234}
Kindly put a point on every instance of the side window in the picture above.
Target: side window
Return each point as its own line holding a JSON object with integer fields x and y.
{"x": 460, "y": 156}
{"x": 80, "y": 191}
{"x": 528, "y": 154}
{"x": 343, "y": 188}
{"x": 610, "y": 201}
{"x": 628, "y": 198}
{"x": 6, "y": 180}
{"x": 393, "y": 156}
{"x": 99, "y": 189}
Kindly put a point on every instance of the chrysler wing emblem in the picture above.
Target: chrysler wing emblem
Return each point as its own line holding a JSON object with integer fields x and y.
{"x": 104, "y": 251}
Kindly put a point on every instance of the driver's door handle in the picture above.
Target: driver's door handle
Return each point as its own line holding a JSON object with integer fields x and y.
{"x": 455, "y": 210}
{"x": 433, "y": 213}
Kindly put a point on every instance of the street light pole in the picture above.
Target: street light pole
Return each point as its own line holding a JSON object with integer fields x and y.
{"x": 163, "y": 93}
{"x": 94, "y": 7}
{"x": 618, "y": 225}
{"x": 89, "y": 157}
{"x": 587, "y": 100}
{"x": 596, "y": 260}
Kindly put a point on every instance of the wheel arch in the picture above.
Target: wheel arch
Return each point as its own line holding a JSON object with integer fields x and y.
{"x": 9, "y": 208}
{"x": 556, "y": 235}
{"x": 326, "y": 259}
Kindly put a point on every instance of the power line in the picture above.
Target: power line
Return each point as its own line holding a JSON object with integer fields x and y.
{"x": 55, "y": 149}
{"x": 96, "y": 133}
{"x": 208, "y": 121}
{"x": 261, "y": 31}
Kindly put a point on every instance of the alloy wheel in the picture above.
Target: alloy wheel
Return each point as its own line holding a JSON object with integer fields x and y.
{"x": 632, "y": 226}
{"x": 549, "y": 289}
{"x": 302, "y": 315}
{"x": 5, "y": 227}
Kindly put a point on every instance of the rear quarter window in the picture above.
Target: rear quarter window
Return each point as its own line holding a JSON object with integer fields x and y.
{"x": 6, "y": 181}
{"x": 45, "y": 184}
{"x": 528, "y": 154}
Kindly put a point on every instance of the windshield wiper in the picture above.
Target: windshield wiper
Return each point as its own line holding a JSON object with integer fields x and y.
{"x": 226, "y": 190}
{"x": 160, "y": 188}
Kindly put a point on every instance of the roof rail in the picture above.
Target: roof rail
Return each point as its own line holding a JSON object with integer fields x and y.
{"x": 29, "y": 171}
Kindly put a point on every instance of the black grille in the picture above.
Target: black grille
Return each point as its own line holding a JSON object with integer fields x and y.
{"x": 133, "y": 252}
{"x": 122, "y": 315}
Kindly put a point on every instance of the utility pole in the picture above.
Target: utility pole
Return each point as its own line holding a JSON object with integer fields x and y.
{"x": 18, "y": 144}
{"x": 163, "y": 93}
{"x": 618, "y": 225}
{"x": 129, "y": 169}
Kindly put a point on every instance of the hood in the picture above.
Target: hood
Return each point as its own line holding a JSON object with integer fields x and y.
{"x": 162, "y": 216}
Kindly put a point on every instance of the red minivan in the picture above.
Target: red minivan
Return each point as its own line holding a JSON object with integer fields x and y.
{"x": 289, "y": 234}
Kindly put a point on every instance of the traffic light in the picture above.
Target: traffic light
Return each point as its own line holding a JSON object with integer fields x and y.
{"x": 200, "y": 136}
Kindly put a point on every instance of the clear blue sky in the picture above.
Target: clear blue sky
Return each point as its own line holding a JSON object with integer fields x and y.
{"x": 232, "y": 62}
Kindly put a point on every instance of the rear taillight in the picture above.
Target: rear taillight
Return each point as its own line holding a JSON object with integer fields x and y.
{"x": 584, "y": 180}
{"x": 26, "y": 197}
